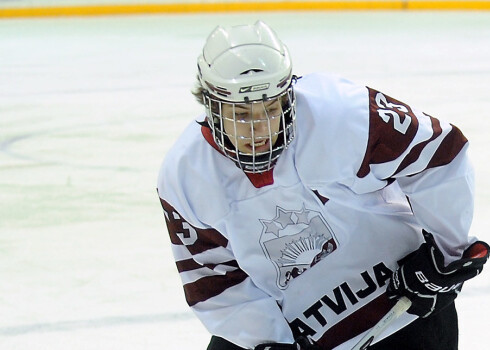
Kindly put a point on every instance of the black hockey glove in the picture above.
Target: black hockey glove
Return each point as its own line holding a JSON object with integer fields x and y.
{"x": 431, "y": 286}
{"x": 301, "y": 343}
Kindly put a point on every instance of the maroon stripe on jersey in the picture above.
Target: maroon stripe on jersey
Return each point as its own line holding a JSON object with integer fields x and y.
{"x": 356, "y": 323}
{"x": 320, "y": 197}
{"x": 211, "y": 286}
{"x": 198, "y": 240}
{"x": 207, "y": 239}
{"x": 181, "y": 232}
{"x": 390, "y": 132}
{"x": 450, "y": 147}
{"x": 187, "y": 265}
{"x": 415, "y": 152}
{"x": 191, "y": 264}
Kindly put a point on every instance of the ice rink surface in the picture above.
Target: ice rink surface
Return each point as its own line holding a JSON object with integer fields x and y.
{"x": 90, "y": 106}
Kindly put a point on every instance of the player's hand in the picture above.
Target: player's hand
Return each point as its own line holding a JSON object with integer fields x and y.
{"x": 301, "y": 343}
{"x": 430, "y": 285}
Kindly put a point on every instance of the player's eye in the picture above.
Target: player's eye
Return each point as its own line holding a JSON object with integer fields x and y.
{"x": 243, "y": 116}
{"x": 274, "y": 111}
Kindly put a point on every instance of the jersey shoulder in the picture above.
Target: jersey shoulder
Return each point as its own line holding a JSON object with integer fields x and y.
{"x": 188, "y": 177}
{"x": 333, "y": 127}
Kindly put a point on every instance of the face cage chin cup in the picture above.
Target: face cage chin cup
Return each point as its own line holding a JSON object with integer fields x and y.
{"x": 255, "y": 162}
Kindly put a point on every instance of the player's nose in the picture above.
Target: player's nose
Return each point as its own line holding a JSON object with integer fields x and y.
{"x": 261, "y": 125}
{"x": 260, "y": 119}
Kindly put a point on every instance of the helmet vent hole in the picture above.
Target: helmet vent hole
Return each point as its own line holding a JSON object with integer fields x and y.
{"x": 251, "y": 71}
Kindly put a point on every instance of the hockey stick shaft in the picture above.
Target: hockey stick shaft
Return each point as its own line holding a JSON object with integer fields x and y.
{"x": 400, "y": 307}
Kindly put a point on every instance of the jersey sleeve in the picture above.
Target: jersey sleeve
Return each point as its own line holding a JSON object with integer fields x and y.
{"x": 428, "y": 158}
{"x": 219, "y": 292}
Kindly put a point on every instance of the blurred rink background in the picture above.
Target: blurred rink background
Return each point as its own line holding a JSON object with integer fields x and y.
{"x": 89, "y": 106}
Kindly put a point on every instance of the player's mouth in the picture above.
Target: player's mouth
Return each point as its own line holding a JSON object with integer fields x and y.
{"x": 259, "y": 145}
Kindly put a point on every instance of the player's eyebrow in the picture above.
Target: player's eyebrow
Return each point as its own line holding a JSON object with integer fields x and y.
{"x": 247, "y": 107}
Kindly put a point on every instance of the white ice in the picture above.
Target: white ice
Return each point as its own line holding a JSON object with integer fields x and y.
{"x": 90, "y": 106}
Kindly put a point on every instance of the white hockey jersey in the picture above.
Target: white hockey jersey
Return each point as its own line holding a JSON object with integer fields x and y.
{"x": 308, "y": 248}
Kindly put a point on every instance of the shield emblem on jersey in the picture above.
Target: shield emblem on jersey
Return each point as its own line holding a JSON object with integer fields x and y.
{"x": 295, "y": 240}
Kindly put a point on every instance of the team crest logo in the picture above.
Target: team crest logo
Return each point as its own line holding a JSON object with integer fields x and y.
{"x": 294, "y": 241}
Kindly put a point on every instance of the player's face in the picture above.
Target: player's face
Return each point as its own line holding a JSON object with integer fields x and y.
{"x": 253, "y": 127}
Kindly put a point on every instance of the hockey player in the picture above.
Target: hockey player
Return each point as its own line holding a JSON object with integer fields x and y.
{"x": 300, "y": 209}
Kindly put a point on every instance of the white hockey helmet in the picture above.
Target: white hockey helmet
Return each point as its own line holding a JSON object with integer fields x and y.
{"x": 248, "y": 65}
{"x": 244, "y": 63}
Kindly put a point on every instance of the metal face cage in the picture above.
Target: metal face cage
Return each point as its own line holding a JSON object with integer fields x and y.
{"x": 253, "y": 134}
